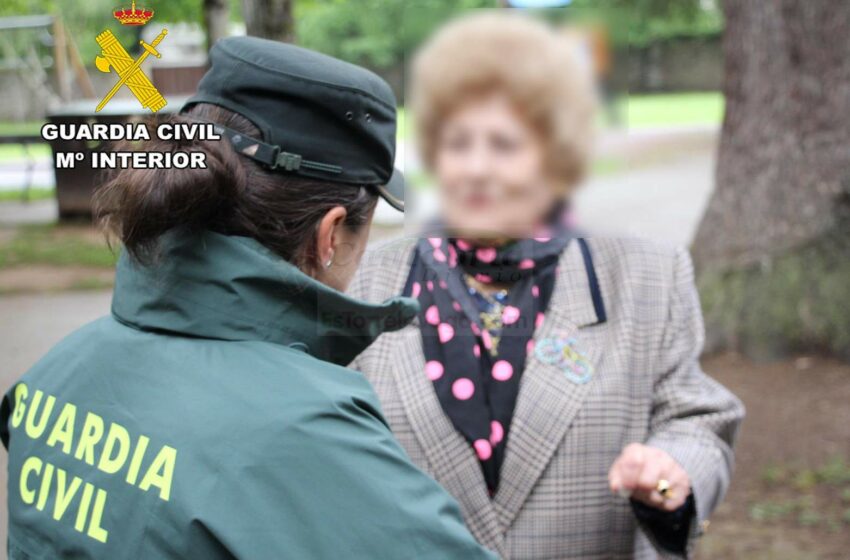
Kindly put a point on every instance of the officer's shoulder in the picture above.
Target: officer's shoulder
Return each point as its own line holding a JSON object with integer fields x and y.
{"x": 53, "y": 367}
{"x": 296, "y": 398}
{"x": 281, "y": 376}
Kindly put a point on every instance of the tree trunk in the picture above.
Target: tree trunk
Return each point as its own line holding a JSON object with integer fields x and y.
{"x": 270, "y": 19}
{"x": 773, "y": 249}
{"x": 216, "y": 18}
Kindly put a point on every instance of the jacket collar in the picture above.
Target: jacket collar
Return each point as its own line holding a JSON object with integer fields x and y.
{"x": 214, "y": 286}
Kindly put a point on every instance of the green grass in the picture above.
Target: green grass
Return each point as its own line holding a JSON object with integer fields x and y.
{"x": 402, "y": 123}
{"x": 35, "y": 193}
{"x": 19, "y": 128}
{"x": 672, "y": 109}
{"x": 13, "y": 152}
{"x": 51, "y": 245}
{"x": 91, "y": 284}
{"x": 819, "y": 495}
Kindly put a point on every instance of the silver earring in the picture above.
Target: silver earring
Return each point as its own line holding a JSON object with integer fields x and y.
{"x": 330, "y": 260}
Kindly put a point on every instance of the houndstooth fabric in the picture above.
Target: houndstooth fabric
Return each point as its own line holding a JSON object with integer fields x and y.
{"x": 553, "y": 500}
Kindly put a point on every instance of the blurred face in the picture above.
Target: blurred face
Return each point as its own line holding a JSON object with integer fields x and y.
{"x": 490, "y": 168}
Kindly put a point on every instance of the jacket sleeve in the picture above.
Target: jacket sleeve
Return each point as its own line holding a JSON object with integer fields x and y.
{"x": 694, "y": 418}
{"x": 337, "y": 485}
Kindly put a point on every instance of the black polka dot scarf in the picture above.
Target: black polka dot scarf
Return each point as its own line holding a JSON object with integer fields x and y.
{"x": 477, "y": 380}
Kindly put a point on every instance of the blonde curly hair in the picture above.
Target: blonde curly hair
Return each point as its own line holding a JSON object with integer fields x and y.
{"x": 538, "y": 68}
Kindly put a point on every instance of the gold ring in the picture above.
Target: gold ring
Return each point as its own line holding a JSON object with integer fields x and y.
{"x": 663, "y": 487}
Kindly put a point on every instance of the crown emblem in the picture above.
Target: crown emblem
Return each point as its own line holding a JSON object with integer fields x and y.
{"x": 133, "y": 15}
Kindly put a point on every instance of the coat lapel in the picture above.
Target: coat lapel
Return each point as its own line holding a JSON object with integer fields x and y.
{"x": 546, "y": 405}
{"x": 451, "y": 458}
{"x": 549, "y": 395}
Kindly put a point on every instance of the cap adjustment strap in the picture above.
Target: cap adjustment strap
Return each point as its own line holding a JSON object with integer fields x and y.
{"x": 271, "y": 155}
{"x": 289, "y": 161}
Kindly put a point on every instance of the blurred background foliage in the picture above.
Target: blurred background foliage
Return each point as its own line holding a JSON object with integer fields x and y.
{"x": 380, "y": 33}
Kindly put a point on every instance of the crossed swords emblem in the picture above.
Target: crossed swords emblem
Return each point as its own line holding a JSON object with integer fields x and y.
{"x": 129, "y": 71}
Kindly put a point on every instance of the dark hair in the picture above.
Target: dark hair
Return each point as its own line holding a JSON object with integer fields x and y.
{"x": 234, "y": 195}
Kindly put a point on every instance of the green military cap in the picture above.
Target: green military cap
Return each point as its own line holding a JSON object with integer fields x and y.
{"x": 319, "y": 117}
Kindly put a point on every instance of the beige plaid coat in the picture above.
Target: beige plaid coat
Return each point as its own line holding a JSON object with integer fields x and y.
{"x": 553, "y": 500}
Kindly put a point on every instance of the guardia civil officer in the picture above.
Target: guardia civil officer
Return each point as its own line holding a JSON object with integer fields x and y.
{"x": 209, "y": 416}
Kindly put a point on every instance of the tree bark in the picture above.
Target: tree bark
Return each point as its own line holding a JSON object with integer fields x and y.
{"x": 777, "y": 223}
{"x": 270, "y": 19}
{"x": 216, "y": 18}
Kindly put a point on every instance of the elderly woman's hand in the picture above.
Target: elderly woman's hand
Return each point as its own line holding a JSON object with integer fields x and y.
{"x": 640, "y": 473}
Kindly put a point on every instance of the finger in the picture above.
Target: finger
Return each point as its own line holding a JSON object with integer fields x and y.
{"x": 614, "y": 480}
{"x": 630, "y": 466}
{"x": 653, "y": 468}
{"x": 680, "y": 489}
{"x": 659, "y": 466}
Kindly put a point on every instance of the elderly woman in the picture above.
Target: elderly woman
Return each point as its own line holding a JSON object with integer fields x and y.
{"x": 551, "y": 383}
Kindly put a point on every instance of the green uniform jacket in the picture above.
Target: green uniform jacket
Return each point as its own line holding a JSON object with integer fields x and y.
{"x": 208, "y": 418}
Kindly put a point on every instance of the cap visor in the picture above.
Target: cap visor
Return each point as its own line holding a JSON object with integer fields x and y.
{"x": 393, "y": 191}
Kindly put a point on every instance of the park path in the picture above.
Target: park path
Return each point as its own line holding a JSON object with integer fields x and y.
{"x": 663, "y": 203}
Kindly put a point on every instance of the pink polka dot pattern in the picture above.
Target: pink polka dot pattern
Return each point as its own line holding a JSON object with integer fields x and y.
{"x": 486, "y": 254}
{"x": 510, "y": 315}
{"x": 502, "y": 370}
{"x": 497, "y": 432}
{"x": 434, "y": 370}
{"x": 432, "y": 315}
{"x": 415, "y": 290}
{"x": 475, "y": 374}
{"x": 486, "y": 340}
{"x": 463, "y": 389}
{"x": 445, "y": 332}
{"x": 483, "y": 449}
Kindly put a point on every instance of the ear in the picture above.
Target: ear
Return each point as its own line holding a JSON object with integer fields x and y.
{"x": 327, "y": 235}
